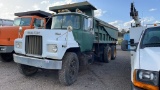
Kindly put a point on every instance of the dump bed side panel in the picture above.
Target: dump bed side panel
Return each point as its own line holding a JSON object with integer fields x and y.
{"x": 104, "y": 32}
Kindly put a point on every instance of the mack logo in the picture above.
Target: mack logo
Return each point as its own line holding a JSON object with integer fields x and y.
{"x": 35, "y": 32}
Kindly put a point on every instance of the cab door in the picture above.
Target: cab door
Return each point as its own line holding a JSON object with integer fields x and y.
{"x": 87, "y": 35}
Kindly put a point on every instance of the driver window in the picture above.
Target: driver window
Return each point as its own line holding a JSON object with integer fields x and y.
{"x": 38, "y": 23}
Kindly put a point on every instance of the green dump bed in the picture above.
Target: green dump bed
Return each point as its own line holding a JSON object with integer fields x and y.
{"x": 104, "y": 32}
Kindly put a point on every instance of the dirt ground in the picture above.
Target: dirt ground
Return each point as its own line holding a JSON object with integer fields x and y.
{"x": 98, "y": 76}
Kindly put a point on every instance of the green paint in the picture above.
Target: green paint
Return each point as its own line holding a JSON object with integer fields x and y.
{"x": 85, "y": 38}
{"x": 103, "y": 32}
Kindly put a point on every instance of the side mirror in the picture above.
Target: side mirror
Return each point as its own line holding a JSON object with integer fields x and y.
{"x": 90, "y": 23}
{"x": 20, "y": 29}
{"x": 132, "y": 42}
{"x": 125, "y": 46}
{"x": 42, "y": 24}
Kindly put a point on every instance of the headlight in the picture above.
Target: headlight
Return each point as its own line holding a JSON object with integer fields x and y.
{"x": 18, "y": 44}
{"x": 149, "y": 77}
{"x": 52, "y": 48}
{"x": 146, "y": 79}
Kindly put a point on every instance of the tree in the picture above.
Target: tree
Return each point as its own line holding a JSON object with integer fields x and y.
{"x": 123, "y": 31}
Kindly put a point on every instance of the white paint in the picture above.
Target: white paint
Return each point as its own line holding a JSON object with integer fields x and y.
{"x": 150, "y": 58}
{"x": 50, "y": 37}
{"x": 145, "y": 59}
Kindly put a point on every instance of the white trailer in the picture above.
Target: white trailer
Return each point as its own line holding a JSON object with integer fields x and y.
{"x": 6, "y": 22}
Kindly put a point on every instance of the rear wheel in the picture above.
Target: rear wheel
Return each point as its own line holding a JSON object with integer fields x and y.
{"x": 69, "y": 72}
{"x": 27, "y": 70}
{"x": 107, "y": 54}
{"x": 113, "y": 52}
{"x": 6, "y": 57}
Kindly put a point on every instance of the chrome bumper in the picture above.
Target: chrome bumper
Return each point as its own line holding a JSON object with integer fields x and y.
{"x": 6, "y": 49}
{"x": 35, "y": 62}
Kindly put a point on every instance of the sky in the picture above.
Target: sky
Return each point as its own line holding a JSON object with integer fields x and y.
{"x": 115, "y": 12}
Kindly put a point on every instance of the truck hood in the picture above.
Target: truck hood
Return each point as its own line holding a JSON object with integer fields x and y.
{"x": 8, "y": 34}
{"x": 150, "y": 58}
{"x": 6, "y": 31}
{"x": 58, "y": 35}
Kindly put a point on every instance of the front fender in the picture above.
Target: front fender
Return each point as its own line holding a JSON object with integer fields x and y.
{"x": 62, "y": 46}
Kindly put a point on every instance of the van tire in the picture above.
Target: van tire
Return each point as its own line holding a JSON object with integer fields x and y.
{"x": 6, "y": 57}
{"x": 107, "y": 54}
{"x": 27, "y": 70}
{"x": 68, "y": 75}
{"x": 113, "y": 52}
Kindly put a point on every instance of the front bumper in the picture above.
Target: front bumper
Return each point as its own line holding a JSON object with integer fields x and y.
{"x": 6, "y": 49}
{"x": 135, "y": 88}
{"x": 35, "y": 62}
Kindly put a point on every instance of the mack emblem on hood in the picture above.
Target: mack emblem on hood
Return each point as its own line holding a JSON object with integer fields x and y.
{"x": 35, "y": 32}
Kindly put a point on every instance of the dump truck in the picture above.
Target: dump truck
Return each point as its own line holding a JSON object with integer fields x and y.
{"x": 23, "y": 21}
{"x": 6, "y": 22}
{"x": 75, "y": 39}
{"x": 145, "y": 54}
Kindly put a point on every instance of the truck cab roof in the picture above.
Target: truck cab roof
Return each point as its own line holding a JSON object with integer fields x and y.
{"x": 35, "y": 16}
{"x": 86, "y": 7}
{"x": 31, "y": 13}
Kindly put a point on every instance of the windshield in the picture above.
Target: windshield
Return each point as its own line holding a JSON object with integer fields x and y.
{"x": 151, "y": 37}
{"x": 22, "y": 22}
{"x": 0, "y": 22}
{"x": 63, "y": 21}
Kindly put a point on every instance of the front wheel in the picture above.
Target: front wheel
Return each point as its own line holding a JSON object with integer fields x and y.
{"x": 6, "y": 57}
{"x": 69, "y": 72}
{"x": 27, "y": 70}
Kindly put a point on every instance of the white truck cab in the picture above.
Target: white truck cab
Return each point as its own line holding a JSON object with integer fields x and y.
{"x": 145, "y": 55}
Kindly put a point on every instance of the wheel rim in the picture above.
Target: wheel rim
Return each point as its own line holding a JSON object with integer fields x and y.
{"x": 73, "y": 69}
{"x": 109, "y": 55}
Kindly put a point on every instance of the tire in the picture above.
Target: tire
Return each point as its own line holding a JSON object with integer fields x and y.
{"x": 107, "y": 54}
{"x": 69, "y": 72}
{"x": 83, "y": 62}
{"x": 91, "y": 60}
{"x": 113, "y": 52}
{"x": 6, "y": 57}
{"x": 124, "y": 45}
{"x": 27, "y": 70}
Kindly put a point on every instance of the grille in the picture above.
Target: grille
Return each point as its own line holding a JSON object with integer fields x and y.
{"x": 33, "y": 45}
